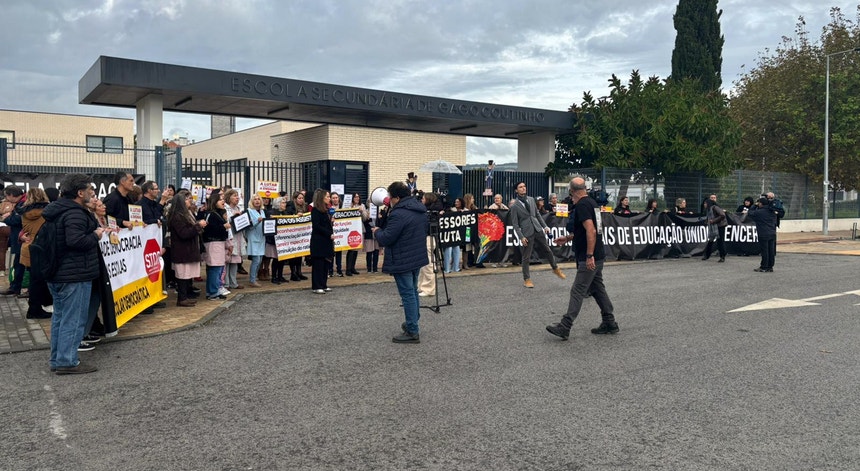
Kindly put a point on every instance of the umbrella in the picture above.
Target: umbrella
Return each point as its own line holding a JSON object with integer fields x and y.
{"x": 440, "y": 166}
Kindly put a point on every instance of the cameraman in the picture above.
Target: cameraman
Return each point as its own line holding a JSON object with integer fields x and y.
{"x": 426, "y": 280}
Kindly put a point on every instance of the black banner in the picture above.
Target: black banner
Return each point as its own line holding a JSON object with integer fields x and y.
{"x": 102, "y": 183}
{"x": 644, "y": 236}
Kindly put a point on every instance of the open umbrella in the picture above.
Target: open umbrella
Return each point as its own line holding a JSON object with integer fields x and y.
{"x": 440, "y": 166}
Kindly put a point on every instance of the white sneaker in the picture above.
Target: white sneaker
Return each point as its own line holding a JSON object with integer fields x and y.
{"x": 223, "y": 291}
{"x": 424, "y": 295}
{"x": 319, "y": 291}
{"x": 48, "y": 308}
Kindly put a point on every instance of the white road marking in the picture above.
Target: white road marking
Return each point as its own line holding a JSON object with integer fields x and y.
{"x": 774, "y": 303}
{"x": 826, "y": 296}
{"x": 56, "y": 422}
{"x": 778, "y": 303}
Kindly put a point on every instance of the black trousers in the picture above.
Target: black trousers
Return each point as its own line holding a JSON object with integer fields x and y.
{"x": 351, "y": 257}
{"x": 721, "y": 245}
{"x": 319, "y": 273}
{"x": 768, "y": 252}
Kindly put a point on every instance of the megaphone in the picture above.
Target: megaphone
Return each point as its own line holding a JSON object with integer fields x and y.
{"x": 379, "y": 196}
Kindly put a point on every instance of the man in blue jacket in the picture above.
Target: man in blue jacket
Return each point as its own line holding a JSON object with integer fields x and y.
{"x": 78, "y": 236}
{"x": 405, "y": 253}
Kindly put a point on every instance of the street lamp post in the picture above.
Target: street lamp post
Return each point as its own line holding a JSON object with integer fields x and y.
{"x": 826, "y": 207}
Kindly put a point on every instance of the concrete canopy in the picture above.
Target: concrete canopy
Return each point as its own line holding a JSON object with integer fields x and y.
{"x": 125, "y": 83}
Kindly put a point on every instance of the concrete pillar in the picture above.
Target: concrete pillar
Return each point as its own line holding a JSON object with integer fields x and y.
{"x": 150, "y": 118}
{"x": 534, "y": 151}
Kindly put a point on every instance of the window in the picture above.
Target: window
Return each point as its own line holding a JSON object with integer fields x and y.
{"x": 104, "y": 144}
{"x": 10, "y": 138}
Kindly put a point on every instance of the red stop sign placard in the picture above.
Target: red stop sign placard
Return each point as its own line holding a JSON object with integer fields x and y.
{"x": 151, "y": 259}
{"x": 354, "y": 239}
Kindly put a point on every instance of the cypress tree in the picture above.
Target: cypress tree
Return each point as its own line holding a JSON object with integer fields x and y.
{"x": 698, "y": 52}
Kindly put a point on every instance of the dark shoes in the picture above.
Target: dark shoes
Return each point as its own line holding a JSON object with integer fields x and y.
{"x": 75, "y": 370}
{"x": 241, "y": 270}
{"x": 606, "y": 328}
{"x": 406, "y": 337}
{"x": 39, "y": 314}
{"x": 558, "y": 330}
{"x": 721, "y": 260}
{"x": 9, "y": 292}
{"x": 186, "y": 303}
{"x": 764, "y": 270}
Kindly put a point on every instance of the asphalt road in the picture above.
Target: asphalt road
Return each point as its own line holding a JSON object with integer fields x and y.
{"x": 304, "y": 381}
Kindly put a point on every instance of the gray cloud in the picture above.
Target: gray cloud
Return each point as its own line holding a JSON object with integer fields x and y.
{"x": 542, "y": 54}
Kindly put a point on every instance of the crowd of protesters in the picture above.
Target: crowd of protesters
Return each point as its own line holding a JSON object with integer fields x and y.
{"x": 203, "y": 235}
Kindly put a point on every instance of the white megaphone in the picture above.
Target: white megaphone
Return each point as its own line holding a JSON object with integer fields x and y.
{"x": 378, "y": 196}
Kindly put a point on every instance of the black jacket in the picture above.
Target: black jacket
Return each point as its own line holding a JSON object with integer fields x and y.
{"x": 77, "y": 243}
{"x": 321, "y": 231}
{"x": 116, "y": 205}
{"x": 151, "y": 210}
{"x": 404, "y": 237}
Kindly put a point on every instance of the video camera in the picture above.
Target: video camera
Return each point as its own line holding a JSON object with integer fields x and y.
{"x": 599, "y": 195}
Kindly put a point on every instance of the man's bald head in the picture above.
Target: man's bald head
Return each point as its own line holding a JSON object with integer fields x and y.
{"x": 577, "y": 184}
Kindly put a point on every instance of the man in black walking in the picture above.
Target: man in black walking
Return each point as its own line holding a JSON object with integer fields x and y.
{"x": 585, "y": 230}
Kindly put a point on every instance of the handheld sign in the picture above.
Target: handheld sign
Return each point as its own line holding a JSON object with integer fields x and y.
{"x": 240, "y": 222}
{"x": 135, "y": 214}
{"x": 267, "y": 189}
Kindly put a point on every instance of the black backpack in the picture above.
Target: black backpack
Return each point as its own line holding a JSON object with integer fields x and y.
{"x": 44, "y": 260}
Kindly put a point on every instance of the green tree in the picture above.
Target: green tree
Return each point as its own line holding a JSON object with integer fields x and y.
{"x": 666, "y": 126}
{"x": 780, "y": 105}
{"x": 698, "y": 52}
{"x": 569, "y": 155}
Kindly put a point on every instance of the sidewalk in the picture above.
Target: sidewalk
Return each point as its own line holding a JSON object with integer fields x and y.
{"x": 20, "y": 334}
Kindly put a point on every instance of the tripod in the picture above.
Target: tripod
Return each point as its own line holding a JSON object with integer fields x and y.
{"x": 437, "y": 262}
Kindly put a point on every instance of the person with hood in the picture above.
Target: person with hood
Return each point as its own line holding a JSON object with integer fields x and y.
{"x": 78, "y": 236}
{"x": 717, "y": 223}
{"x": 404, "y": 239}
{"x": 746, "y": 205}
{"x": 765, "y": 218}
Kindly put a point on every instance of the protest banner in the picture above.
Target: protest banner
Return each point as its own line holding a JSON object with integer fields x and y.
{"x": 134, "y": 266}
{"x": 348, "y": 230}
{"x": 267, "y": 189}
{"x": 292, "y": 235}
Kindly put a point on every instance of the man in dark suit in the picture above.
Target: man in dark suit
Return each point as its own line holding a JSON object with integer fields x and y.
{"x": 530, "y": 229}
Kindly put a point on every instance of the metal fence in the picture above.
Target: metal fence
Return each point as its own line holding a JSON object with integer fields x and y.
{"x": 503, "y": 183}
{"x": 802, "y": 198}
{"x": 238, "y": 173}
{"x": 59, "y": 157}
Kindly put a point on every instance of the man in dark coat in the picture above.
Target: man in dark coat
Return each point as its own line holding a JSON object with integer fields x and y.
{"x": 150, "y": 203}
{"x": 78, "y": 236}
{"x": 116, "y": 202}
{"x": 404, "y": 238}
{"x": 765, "y": 218}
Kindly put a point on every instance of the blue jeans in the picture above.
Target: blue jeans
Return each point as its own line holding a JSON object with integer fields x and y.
{"x": 256, "y": 260}
{"x": 451, "y": 259}
{"x": 71, "y": 305}
{"x": 407, "y": 286}
{"x": 213, "y": 280}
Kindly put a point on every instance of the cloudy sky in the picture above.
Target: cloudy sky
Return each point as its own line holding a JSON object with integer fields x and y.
{"x": 540, "y": 53}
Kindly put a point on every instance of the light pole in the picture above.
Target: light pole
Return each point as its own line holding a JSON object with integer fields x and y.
{"x": 826, "y": 208}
